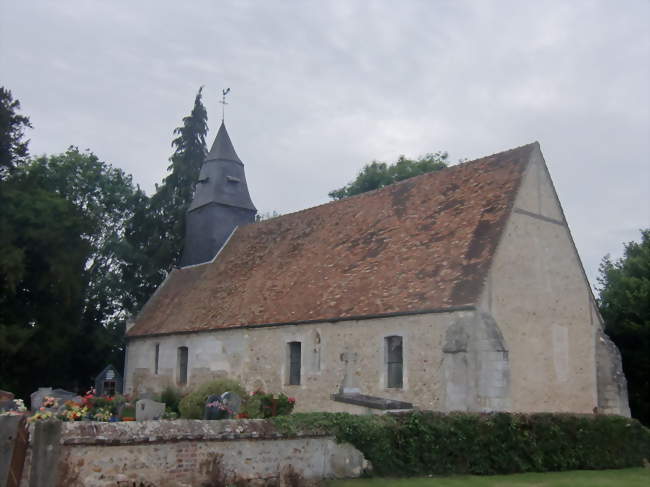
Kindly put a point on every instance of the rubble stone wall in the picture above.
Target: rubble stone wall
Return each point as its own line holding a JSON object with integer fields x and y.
{"x": 192, "y": 453}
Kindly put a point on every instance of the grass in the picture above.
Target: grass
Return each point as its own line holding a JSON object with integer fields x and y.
{"x": 629, "y": 477}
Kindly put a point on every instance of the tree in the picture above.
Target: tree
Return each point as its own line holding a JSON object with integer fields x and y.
{"x": 625, "y": 306}
{"x": 65, "y": 222}
{"x": 41, "y": 293}
{"x": 155, "y": 234}
{"x": 13, "y": 149}
{"x": 379, "y": 174}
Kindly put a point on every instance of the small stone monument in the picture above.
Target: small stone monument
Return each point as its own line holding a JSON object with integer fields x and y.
{"x": 148, "y": 410}
{"x": 60, "y": 395}
{"x": 350, "y": 384}
{"x": 214, "y": 408}
{"x": 108, "y": 382}
{"x": 7, "y": 401}
{"x": 232, "y": 402}
{"x": 222, "y": 406}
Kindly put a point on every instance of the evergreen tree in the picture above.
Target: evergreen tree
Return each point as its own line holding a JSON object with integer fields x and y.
{"x": 156, "y": 234}
{"x": 13, "y": 149}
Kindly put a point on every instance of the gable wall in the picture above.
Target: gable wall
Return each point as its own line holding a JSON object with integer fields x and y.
{"x": 258, "y": 358}
{"x": 539, "y": 296}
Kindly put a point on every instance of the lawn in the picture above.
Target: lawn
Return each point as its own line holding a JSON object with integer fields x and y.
{"x": 629, "y": 477}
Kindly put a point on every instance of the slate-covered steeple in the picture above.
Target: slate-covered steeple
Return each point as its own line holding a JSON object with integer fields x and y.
{"x": 221, "y": 202}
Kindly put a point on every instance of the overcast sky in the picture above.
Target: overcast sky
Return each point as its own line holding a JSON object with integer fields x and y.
{"x": 320, "y": 88}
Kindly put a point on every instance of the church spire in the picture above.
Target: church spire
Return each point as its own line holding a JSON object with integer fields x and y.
{"x": 222, "y": 147}
{"x": 221, "y": 202}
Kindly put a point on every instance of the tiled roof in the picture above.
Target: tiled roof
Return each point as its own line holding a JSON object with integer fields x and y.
{"x": 424, "y": 243}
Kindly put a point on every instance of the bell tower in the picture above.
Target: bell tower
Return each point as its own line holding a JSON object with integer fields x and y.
{"x": 221, "y": 202}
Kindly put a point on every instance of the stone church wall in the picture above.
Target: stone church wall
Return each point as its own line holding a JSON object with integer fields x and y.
{"x": 538, "y": 294}
{"x": 258, "y": 357}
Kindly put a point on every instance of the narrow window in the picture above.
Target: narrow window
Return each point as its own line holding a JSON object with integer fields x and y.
{"x": 394, "y": 361}
{"x": 182, "y": 365}
{"x": 294, "y": 363}
{"x": 157, "y": 357}
{"x": 109, "y": 388}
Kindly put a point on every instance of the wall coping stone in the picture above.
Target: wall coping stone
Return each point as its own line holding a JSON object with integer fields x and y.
{"x": 139, "y": 432}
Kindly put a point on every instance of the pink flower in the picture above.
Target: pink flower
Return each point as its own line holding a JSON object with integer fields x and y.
{"x": 292, "y": 400}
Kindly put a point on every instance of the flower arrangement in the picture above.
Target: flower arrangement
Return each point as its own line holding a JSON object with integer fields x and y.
{"x": 102, "y": 414}
{"x": 73, "y": 412}
{"x": 40, "y": 415}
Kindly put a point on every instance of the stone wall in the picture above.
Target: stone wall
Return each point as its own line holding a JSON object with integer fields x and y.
{"x": 538, "y": 294}
{"x": 183, "y": 453}
{"x": 258, "y": 358}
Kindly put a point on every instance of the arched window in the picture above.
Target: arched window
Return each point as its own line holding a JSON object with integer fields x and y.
{"x": 394, "y": 361}
{"x": 182, "y": 365}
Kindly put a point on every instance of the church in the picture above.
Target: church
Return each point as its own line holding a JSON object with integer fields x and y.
{"x": 457, "y": 290}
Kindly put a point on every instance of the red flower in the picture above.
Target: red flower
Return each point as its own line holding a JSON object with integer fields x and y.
{"x": 292, "y": 400}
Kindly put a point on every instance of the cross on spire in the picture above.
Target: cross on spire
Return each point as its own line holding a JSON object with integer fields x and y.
{"x": 223, "y": 102}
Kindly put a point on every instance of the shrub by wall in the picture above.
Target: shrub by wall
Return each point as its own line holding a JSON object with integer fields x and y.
{"x": 461, "y": 443}
{"x": 192, "y": 405}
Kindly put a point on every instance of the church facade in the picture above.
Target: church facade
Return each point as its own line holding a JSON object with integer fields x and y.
{"x": 455, "y": 290}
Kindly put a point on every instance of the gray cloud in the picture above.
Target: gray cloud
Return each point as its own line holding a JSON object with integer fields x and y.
{"x": 320, "y": 88}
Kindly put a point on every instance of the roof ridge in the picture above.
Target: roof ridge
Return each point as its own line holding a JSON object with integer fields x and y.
{"x": 373, "y": 191}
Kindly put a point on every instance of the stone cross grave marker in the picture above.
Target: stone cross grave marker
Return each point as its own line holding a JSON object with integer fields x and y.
{"x": 350, "y": 383}
{"x": 148, "y": 410}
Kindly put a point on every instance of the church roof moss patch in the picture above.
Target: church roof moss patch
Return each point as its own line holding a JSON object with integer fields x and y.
{"x": 424, "y": 243}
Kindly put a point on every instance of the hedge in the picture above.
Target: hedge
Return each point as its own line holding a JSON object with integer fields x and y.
{"x": 423, "y": 443}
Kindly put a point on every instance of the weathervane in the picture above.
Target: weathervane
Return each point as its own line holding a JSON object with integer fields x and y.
{"x": 223, "y": 102}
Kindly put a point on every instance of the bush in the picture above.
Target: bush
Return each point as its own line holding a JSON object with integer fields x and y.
{"x": 172, "y": 398}
{"x": 424, "y": 443}
{"x": 192, "y": 405}
{"x": 271, "y": 406}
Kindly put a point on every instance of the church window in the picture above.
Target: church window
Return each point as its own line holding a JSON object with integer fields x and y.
{"x": 394, "y": 361}
{"x": 294, "y": 363}
{"x": 182, "y": 365}
{"x": 156, "y": 359}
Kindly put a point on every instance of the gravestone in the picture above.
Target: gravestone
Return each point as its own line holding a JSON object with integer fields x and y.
{"x": 108, "y": 382}
{"x": 7, "y": 401}
{"x": 350, "y": 383}
{"x": 214, "y": 408}
{"x": 149, "y": 410}
{"x": 9, "y": 405}
{"x": 222, "y": 406}
{"x": 232, "y": 401}
{"x": 6, "y": 395}
{"x": 61, "y": 395}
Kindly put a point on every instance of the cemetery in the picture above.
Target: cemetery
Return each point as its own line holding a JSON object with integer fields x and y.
{"x": 226, "y": 435}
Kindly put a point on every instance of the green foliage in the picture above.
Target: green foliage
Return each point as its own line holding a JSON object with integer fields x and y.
{"x": 272, "y": 406}
{"x": 625, "y": 306}
{"x": 172, "y": 398}
{"x": 42, "y": 256}
{"x": 63, "y": 232}
{"x": 424, "y": 443}
{"x": 128, "y": 412}
{"x": 156, "y": 231}
{"x": 192, "y": 405}
{"x": 13, "y": 149}
{"x": 379, "y": 174}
